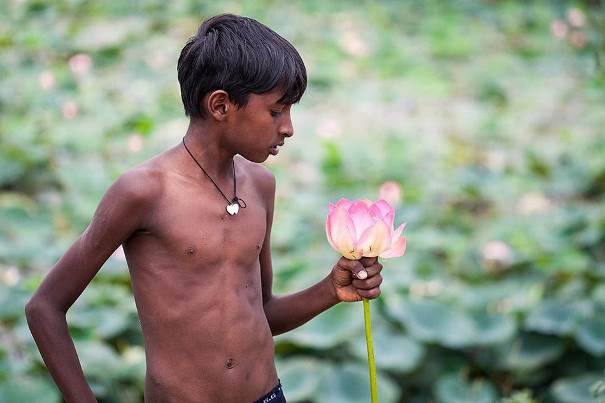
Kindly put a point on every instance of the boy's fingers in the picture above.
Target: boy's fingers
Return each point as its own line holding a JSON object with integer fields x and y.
{"x": 369, "y": 294}
{"x": 372, "y": 270}
{"x": 368, "y": 261}
{"x": 354, "y": 267}
{"x": 368, "y": 284}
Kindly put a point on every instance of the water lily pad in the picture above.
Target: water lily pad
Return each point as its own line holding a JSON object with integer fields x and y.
{"x": 12, "y": 302}
{"x": 299, "y": 377}
{"x": 552, "y": 317}
{"x": 530, "y": 351}
{"x": 106, "y": 322}
{"x": 27, "y": 389}
{"x": 591, "y": 335}
{"x": 575, "y": 389}
{"x": 327, "y": 330}
{"x": 350, "y": 383}
{"x": 392, "y": 351}
{"x": 493, "y": 329}
{"x": 434, "y": 321}
{"x": 98, "y": 360}
{"x": 453, "y": 388}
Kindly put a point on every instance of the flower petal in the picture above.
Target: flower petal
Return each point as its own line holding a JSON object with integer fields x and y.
{"x": 328, "y": 235}
{"x": 398, "y": 231}
{"x": 386, "y": 211}
{"x": 375, "y": 239}
{"x": 346, "y": 203}
{"x": 341, "y": 231}
{"x": 367, "y": 202}
{"x": 360, "y": 215}
{"x": 397, "y": 248}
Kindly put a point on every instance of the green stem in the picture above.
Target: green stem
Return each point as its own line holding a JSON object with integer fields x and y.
{"x": 371, "y": 362}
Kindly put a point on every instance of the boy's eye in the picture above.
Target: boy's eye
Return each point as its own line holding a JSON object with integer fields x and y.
{"x": 275, "y": 113}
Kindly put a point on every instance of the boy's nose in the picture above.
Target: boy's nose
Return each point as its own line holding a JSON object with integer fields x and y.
{"x": 287, "y": 130}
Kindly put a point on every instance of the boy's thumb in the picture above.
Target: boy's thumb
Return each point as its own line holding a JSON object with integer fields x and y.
{"x": 359, "y": 271}
{"x": 354, "y": 266}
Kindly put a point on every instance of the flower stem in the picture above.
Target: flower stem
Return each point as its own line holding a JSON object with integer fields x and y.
{"x": 371, "y": 362}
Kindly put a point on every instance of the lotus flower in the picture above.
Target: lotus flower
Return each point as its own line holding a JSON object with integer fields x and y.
{"x": 362, "y": 228}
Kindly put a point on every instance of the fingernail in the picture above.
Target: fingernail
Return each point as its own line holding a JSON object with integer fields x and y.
{"x": 362, "y": 274}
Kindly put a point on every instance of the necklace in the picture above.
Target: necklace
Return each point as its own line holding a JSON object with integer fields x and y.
{"x": 233, "y": 205}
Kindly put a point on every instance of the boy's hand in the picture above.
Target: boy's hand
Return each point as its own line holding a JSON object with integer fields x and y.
{"x": 356, "y": 279}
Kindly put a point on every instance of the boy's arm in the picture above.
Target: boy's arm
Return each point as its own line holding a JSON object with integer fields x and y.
{"x": 288, "y": 312}
{"x": 118, "y": 215}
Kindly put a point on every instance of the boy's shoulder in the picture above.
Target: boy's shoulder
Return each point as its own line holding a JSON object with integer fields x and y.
{"x": 139, "y": 184}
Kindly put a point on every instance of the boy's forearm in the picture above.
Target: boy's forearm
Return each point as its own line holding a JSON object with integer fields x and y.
{"x": 288, "y": 312}
{"x": 50, "y": 332}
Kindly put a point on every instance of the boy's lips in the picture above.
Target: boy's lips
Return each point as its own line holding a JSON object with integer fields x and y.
{"x": 273, "y": 149}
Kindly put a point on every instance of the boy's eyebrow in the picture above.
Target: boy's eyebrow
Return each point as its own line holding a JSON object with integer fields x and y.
{"x": 277, "y": 99}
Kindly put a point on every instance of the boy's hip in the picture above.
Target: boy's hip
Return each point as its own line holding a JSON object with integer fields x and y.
{"x": 275, "y": 395}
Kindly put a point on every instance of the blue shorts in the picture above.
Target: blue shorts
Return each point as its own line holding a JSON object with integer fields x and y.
{"x": 276, "y": 395}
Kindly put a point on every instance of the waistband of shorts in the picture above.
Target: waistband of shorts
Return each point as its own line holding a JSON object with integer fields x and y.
{"x": 273, "y": 393}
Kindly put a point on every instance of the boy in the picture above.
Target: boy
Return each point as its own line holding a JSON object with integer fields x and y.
{"x": 195, "y": 224}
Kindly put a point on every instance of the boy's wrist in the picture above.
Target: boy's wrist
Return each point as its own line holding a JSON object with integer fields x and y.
{"x": 331, "y": 290}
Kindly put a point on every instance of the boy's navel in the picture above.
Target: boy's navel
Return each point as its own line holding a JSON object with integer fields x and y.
{"x": 190, "y": 251}
{"x": 230, "y": 363}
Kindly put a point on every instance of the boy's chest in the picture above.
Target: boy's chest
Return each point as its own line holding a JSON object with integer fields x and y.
{"x": 196, "y": 227}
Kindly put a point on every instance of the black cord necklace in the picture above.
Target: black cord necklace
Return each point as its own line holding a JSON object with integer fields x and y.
{"x": 233, "y": 205}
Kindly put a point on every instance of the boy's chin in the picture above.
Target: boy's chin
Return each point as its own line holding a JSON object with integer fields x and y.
{"x": 256, "y": 158}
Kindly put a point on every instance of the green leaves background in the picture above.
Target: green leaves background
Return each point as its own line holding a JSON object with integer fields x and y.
{"x": 487, "y": 115}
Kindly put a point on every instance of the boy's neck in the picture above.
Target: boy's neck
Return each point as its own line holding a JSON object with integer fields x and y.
{"x": 209, "y": 149}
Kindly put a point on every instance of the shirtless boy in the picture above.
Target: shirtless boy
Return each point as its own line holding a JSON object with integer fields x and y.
{"x": 201, "y": 275}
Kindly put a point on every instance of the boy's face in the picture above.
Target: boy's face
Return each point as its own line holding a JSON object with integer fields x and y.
{"x": 258, "y": 126}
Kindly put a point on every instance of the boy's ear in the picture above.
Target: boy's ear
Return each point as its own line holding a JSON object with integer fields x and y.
{"x": 219, "y": 105}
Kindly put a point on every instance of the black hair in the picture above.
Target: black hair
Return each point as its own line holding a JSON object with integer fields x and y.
{"x": 240, "y": 56}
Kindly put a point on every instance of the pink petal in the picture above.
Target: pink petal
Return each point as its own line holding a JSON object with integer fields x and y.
{"x": 386, "y": 211}
{"x": 384, "y": 206}
{"x": 397, "y": 248}
{"x": 331, "y": 208}
{"x": 398, "y": 231}
{"x": 367, "y": 202}
{"x": 328, "y": 222}
{"x": 361, "y": 217}
{"x": 345, "y": 203}
{"x": 341, "y": 231}
{"x": 375, "y": 239}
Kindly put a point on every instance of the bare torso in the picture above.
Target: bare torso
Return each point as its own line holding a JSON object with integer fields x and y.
{"x": 196, "y": 281}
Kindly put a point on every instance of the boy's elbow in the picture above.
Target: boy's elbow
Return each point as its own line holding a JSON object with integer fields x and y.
{"x": 34, "y": 307}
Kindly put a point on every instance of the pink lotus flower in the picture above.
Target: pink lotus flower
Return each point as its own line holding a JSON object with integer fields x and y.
{"x": 361, "y": 228}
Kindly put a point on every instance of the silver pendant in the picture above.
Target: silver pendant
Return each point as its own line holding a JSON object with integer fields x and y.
{"x": 232, "y": 208}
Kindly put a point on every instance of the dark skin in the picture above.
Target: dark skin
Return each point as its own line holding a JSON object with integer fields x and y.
{"x": 201, "y": 278}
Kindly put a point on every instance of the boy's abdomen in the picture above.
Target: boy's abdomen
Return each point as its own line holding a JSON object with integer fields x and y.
{"x": 210, "y": 342}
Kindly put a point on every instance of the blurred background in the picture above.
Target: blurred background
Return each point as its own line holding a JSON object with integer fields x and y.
{"x": 482, "y": 122}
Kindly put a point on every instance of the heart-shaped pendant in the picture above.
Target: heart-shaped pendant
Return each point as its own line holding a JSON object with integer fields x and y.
{"x": 232, "y": 208}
